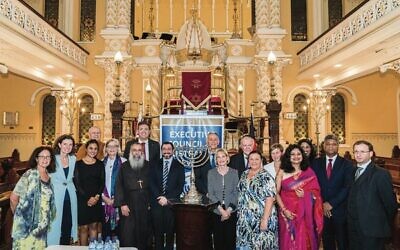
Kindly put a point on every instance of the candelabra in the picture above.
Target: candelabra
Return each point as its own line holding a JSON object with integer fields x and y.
{"x": 69, "y": 104}
{"x": 319, "y": 107}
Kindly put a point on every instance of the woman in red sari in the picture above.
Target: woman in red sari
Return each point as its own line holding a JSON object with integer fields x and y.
{"x": 299, "y": 199}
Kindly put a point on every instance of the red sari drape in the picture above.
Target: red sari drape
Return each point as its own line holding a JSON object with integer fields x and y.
{"x": 304, "y": 231}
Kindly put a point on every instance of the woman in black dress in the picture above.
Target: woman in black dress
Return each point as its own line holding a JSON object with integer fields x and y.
{"x": 89, "y": 182}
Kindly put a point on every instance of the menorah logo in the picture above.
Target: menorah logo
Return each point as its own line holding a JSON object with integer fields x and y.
{"x": 192, "y": 157}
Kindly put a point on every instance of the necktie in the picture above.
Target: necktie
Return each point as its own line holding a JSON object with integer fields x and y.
{"x": 165, "y": 177}
{"x": 329, "y": 169}
{"x": 358, "y": 173}
{"x": 246, "y": 161}
{"x": 144, "y": 149}
{"x": 212, "y": 163}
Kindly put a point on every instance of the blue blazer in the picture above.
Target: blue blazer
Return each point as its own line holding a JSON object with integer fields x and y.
{"x": 175, "y": 181}
{"x": 60, "y": 184}
{"x": 335, "y": 190}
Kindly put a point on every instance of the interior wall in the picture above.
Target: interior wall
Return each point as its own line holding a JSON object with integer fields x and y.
{"x": 15, "y": 96}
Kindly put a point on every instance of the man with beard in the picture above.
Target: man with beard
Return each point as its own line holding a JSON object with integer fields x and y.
{"x": 132, "y": 196}
{"x": 166, "y": 184}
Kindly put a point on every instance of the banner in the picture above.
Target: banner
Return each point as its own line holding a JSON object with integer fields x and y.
{"x": 196, "y": 88}
{"x": 190, "y": 131}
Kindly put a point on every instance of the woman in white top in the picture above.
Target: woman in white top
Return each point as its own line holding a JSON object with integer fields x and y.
{"x": 275, "y": 153}
{"x": 112, "y": 163}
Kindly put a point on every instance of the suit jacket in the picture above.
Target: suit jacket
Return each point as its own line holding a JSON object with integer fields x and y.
{"x": 200, "y": 174}
{"x": 237, "y": 162}
{"x": 154, "y": 150}
{"x": 335, "y": 190}
{"x": 373, "y": 202}
{"x": 175, "y": 181}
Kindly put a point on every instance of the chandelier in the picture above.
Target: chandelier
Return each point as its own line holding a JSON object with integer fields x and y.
{"x": 193, "y": 37}
{"x": 70, "y": 104}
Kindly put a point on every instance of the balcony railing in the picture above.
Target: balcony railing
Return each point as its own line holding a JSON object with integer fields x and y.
{"x": 367, "y": 15}
{"x": 28, "y": 22}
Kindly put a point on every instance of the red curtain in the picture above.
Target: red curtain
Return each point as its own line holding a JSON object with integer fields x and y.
{"x": 196, "y": 88}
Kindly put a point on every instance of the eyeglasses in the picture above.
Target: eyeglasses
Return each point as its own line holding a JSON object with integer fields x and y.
{"x": 45, "y": 157}
{"x": 360, "y": 152}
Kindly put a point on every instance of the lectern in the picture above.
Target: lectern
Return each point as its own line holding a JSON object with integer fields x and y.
{"x": 193, "y": 229}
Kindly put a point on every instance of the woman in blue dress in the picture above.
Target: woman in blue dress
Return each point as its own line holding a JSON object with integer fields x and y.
{"x": 257, "y": 226}
{"x": 65, "y": 226}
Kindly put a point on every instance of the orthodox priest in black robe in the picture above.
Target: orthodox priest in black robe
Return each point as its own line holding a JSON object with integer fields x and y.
{"x": 132, "y": 197}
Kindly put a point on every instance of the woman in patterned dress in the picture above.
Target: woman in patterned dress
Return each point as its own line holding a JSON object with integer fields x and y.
{"x": 257, "y": 226}
{"x": 32, "y": 202}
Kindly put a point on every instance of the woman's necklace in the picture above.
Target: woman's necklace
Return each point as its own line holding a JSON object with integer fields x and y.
{"x": 222, "y": 170}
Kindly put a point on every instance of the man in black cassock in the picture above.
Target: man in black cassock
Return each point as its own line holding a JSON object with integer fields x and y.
{"x": 132, "y": 196}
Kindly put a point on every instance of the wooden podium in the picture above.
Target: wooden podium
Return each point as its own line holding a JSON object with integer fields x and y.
{"x": 193, "y": 229}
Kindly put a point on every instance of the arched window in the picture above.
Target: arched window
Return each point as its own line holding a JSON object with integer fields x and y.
{"x": 84, "y": 117}
{"x": 301, "y": 122}
{"x": 88, "y": 20}
{"x": 51, "y": 12}
{"x": 48, "y": 120}
{"x": 338, "y": 122}
{"x": 299, "y": 20}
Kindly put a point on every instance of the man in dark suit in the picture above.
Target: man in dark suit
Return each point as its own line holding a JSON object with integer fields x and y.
{"x": 239, "y": 160}
{"x": 166, "y": 184}
{"x": 335, "y": 175}
{"x": 372, "y": 204}
{"x": 201, "y": 172}
{"x": 150, "y": 147}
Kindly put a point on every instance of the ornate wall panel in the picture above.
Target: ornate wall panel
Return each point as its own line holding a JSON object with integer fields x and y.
{"x": 51, "y": 12}
{"x": 88, "y": 20}
{"x": 338, "y": 122}
{"x": 301, "y": 122}
{"x": 84, "y": 118}
{"x": 299, "y": 20}
{"x": 49, "y": 120}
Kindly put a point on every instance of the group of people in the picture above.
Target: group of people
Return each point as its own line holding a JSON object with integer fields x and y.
{"x": 290, "y": 203}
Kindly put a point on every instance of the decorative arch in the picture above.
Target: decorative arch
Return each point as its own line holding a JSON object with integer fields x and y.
{"x": 348, "y": 93}
{"x": 82, "y": 90}
{"x": 301, "y": 89}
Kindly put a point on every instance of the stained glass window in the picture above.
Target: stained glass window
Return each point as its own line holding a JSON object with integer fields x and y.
{"x": 299, "y": 20}
{"x": 301, "y": 122}
{"x": 84, "y": 117}
{"x": 51, "y": 12}
{"x": 335, "y": 12}
{"x": 48, "y": 120}
{"x": 88, "y": 20}
{"x": 338, "y": 120}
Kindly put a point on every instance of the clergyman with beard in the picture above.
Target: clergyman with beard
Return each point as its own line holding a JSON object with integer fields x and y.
{"x": 132, "y": 196}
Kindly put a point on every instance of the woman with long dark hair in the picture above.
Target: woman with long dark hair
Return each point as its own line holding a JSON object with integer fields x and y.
{"x": 299, "y": 199}
{"x": 64, "y": 228}
{"x": 89, "y": 183}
